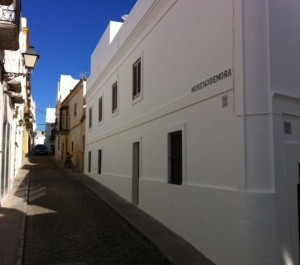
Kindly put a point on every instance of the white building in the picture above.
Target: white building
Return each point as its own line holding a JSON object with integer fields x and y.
{"x": 64, "y": 86}
{"x": 193, "y": 114}
{"x": 40, "y": 138}
{"x": 16, "y": 119}
{"x": 49, "y": 132}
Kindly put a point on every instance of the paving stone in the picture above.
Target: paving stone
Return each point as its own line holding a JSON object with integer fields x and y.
{"x": 67, "y": 224}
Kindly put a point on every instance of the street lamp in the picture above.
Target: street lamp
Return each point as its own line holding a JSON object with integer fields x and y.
{"x": 30, "y": 60}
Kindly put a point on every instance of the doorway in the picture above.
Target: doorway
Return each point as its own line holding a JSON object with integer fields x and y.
{"x": 135, "y": 172}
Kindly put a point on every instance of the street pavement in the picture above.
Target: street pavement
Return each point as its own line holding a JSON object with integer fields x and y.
{"x": 69, "y": 224}
{"x": 73, "y": 220}
{"x": 12, "y": 220}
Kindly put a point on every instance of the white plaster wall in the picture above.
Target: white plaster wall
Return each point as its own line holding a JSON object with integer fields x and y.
{"x": 11, "y": 143}
{"x": 271, "y": 58}
{"x": 39, "y": 138}
{"x": 2, "y": 107}
{"x": 229, "y": 227}
{"x": 104, "y": 44}
{"x": 286, "y": 109}
{"x": 207, "y": 209}
{"x": 223, "y": 208}
{"x": 284, "y": 47}
{"x": 164, "y": 87}
{"x": 257, "y": 108}
{"x": 65, "y": 85}
{"x": 50, "y": 120}
{"x": 33, "y": 111}
{"x": 50, "y": 115}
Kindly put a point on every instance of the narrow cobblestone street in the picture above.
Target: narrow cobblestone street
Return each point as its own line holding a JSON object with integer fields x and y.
{"x": 68, "y": 224}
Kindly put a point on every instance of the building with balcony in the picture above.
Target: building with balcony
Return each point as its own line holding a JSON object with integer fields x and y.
{"x": 193, "y": 115}
{"x": 17, "y": 108}
{"x": 62, "y": 123}
{"x": 10, "y": 15}
{"x": 71, "y": 133}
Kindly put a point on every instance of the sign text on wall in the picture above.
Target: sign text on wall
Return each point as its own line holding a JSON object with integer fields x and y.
{"x": 212, "y": 80}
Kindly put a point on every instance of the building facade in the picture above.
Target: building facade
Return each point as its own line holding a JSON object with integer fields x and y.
{"x": 50, "y": 130}
{"x": 39, "y": 138}
{"x": 72, "y": 125}
{"x": 193, "y": 115}
{"x": 17, "y": 122}
{"x": 65, "y": 85}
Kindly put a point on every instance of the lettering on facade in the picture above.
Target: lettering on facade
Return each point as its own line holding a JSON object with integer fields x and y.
{"x": 212, "y": 80}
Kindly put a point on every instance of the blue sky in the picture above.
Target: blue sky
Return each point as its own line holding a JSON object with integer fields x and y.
{"x": 65, "y": 33}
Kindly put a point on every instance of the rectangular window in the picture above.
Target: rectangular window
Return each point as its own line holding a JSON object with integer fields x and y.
{"x": 100, "y": 109}
{"x": 175, "y": 157}
{"x": 89, "y": 161}
{"x": 99, "y": 161}
{"x": 115, "y": 97}
{"x": 90, "y": 117}
{"x": 64, "y": 119}
{"x": 72, "y": 146}
{"x": 75, "y": 109}
{"x": 136, "y": 78}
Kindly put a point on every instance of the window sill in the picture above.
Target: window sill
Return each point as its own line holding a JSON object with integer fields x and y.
{"x": 137, "y": 99}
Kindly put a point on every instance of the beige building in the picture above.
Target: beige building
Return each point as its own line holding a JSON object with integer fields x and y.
{"x": 72, "y": 126}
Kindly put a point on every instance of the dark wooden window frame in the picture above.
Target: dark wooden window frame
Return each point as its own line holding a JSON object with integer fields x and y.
{"x": 89, "y": 161}
{"x": 75, "y": 109}
{"x": 100, "y": 109}
{"x": 99, "y": 161}
{"x": 90, "y": 117}
{"x": 175, "y": 157}
{"x": 137, "y": 78}
{"x": 114, "y": 97}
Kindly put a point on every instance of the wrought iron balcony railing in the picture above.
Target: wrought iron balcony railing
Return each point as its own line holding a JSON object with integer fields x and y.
{"x": 10, "y": 26}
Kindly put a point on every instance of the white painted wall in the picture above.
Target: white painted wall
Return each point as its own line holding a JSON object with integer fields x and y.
{"x": 284, "y": 48}
{"x": 233, "y": 202}
{"x": 104, "y": 44}
{"x": 65, "y": 85}
{"x": 50, "y": 120}
{"x": 50, "y": 115}
{"x": 11, "y": 148}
